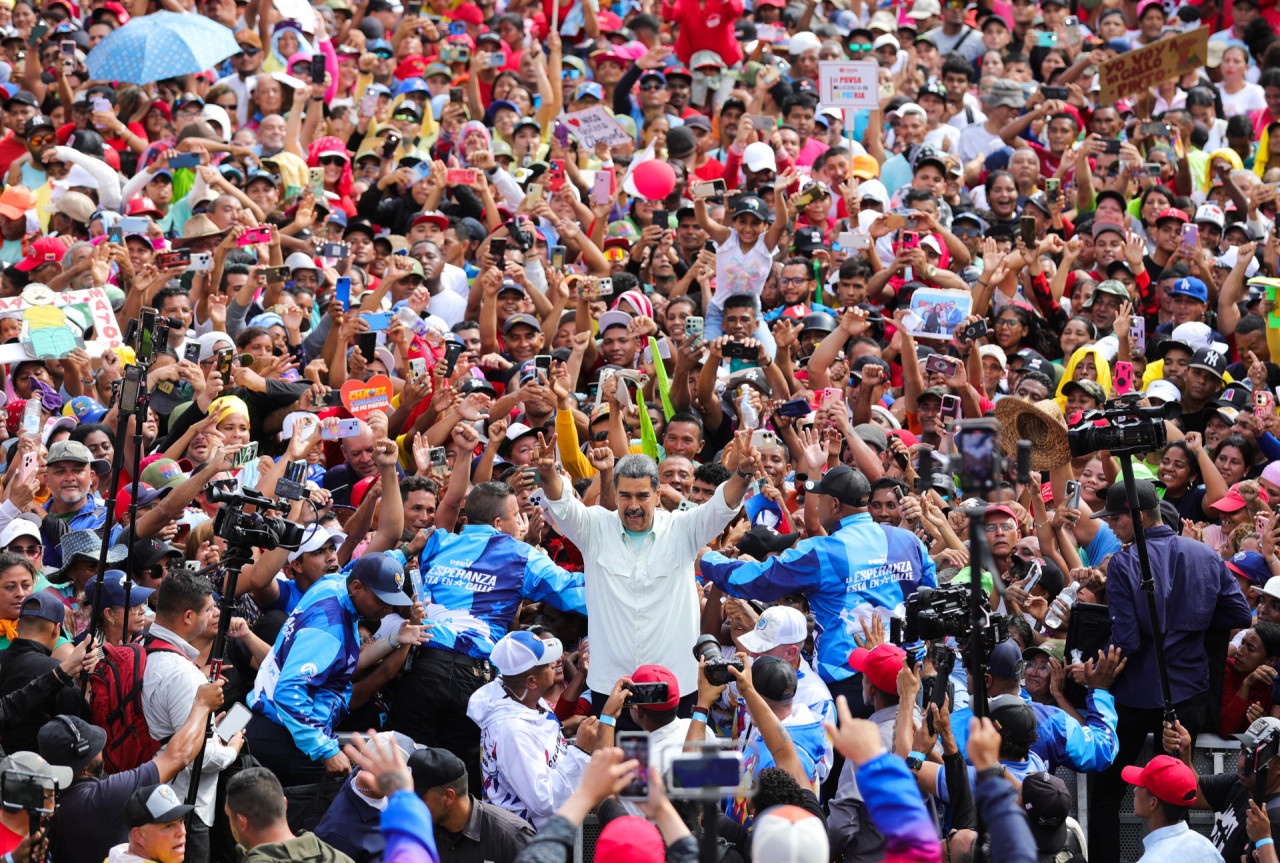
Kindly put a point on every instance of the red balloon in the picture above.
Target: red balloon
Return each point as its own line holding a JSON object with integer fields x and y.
{"x": 654, "y": 179}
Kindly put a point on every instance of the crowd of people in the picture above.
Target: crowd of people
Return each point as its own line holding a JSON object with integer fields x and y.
{"x": 433, "y": 425}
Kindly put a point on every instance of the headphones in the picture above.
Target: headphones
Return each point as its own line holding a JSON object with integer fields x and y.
{"x": 80, "y": 748}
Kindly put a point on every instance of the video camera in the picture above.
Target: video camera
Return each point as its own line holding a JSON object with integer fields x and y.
{"x": 242, "y": 528}
{"x": 934, "y": 613}
{"x": 717, "y": 667}
{"x": 1131, "y": 428}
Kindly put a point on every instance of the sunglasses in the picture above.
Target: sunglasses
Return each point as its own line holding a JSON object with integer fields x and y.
{"x": 248, "y": 52}
{"x": 859, "y": 48}
{"x": 966, "y": 232}
{"x": 382, "y": 54}
{"x": 332, "y": 160}
{"x": 571, "y": 74}
{"x": 615, "y": 255}
{"x": 653, "y": 86}
{"x": 26, "y": 549}
{"x": 42, "y": 140}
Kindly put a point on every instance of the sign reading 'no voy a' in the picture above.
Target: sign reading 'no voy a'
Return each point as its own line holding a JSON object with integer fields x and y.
{"x": 1143, "y": 69}
{"x": 849, "y": 84}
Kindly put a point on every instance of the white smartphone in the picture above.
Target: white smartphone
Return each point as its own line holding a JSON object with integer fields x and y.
{"x": 341, "y": 429}
{"x": 234, "y": 722}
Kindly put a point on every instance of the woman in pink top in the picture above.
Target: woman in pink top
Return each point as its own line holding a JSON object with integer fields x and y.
{"x": 705, "y": 27}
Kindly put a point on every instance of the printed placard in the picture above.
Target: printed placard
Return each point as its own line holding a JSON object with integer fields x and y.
{"x": 594, "y": 124}
{"x": 1143, "y": 69}
{"x": 849, "y": 84}
{"x": 93, "y": 303}
{"x": 364, "y": 397}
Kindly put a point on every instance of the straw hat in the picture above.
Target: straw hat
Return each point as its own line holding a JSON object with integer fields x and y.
{"x": 198, "y": 228}
{"x": 1040, "y": 422}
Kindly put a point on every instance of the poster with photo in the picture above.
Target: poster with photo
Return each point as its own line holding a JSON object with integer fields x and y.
{"x": 937, "y": 313}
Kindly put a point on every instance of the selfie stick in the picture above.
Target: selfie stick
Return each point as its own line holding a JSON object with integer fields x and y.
{"x": 237, "y": 557}
{"x": 1148, "y": 583}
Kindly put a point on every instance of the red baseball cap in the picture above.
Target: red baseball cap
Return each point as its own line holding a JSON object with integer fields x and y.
{"x": 659, "y": 674}
{"x": 1233, "y": 501}
{"x": 143, "y": 206}
{"x": 1001, "y": 509}
{"x": 1166, "y": 777}
{"x": 880, "y": 665}
{"x": 45, "y": 250}
{"x": 1173, "y": 213}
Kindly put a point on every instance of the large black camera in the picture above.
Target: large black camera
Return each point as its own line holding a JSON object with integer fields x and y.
{"x": 933, "y": 613}
{"x": 1131, "y": 428}
{"x": 242, "y": 528}
{"x": 717, "y": 667}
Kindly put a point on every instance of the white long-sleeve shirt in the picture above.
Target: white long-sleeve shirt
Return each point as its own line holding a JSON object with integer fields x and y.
{"x": 169, "y": 687}
{"x": 642, "y": 598}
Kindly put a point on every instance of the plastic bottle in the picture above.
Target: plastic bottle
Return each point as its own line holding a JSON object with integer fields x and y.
{"x": 750, "y": 417}
{"x": 1065, "y": 600}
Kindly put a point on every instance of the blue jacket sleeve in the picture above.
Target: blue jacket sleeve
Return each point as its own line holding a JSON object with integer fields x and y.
{"x": 1231, "y": 611}
{"x": 1120, "y": 603}
{"x": 546, "y": 582}
{"x": 314, "y": 652}
{"x": 1092, "y": 747}
{"x": 998, "y": 808}
{"x": 406, "y": 827}
{"x": 1270, "y": 446}
{"x": 795, "y": 570}
{"x": 896, "y": 808}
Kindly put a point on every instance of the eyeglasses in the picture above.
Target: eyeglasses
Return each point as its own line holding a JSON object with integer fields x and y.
{"x": 1008, "y": 322}
{"x": 966, "y": 232}
{"x": 1000, "y": 527}
{"x": 338, "y": 161}
{"x": 29, "y": 550}
{"x": 800, "y": 281}
{"x": 42, "y": 140}
{"x": 653, "y": 85}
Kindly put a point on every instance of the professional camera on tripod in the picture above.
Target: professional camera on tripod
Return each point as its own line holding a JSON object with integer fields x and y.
{"x": 245, "y": 529}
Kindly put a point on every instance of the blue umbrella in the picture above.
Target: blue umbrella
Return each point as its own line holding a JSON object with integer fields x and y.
{"x": 161, "y": 45}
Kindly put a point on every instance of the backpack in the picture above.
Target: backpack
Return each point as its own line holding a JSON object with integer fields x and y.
{"x": 115, "y": 703}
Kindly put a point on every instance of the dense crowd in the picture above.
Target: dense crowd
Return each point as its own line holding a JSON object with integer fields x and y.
{"x": 431, "y": 427}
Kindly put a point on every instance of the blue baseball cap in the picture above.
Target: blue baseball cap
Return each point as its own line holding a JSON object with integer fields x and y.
{"x": 382, "y": 575}
{"x": 1191, "y": 287}
{"x": 45, "y": 605}
{"x": 266, "y": 319}
{"x": 412, "y": 85}
{"x": 381, "y": 45}
{"x": 380, "y": 89}
{"x": 113, "y": 591}
{"x": 589, "y": 88}
{"x": 1250, "y": 565}
{"x": 338, "y": 216}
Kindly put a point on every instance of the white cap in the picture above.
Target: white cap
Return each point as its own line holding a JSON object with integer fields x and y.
{"x": 789, "y": 834}
{"x": 1232, "y": 257}
{"x": 300, "y": 261}
{"x": 910, "y": 107}
{"x": 210, "y": 342}
{"x": 304, "y": 420}
{"x": 931, "y": 242}
{"x": 1164, "y": 390}
{"x": 516, "y": 430}
{"x": 759, "y": 156}
{"x": 875, "y": 190}
{"x": 780, "y": 624}
{"x": 1272, "y": 587}
{"x": 517, "y": 652}
{"x": 803, "y": 41}
{"x": 52, "y": 424}
{"x": 1212, "y": 214}
{"x": 16, "y": 528}
{"x": 886, "y": 39}
{"x": 218, "y": 114}
{"x": 1193, "y": 333}
{"x": 613, "y": 319}
{"x": 317, "y": 538}
{"x": 996, "y": 352}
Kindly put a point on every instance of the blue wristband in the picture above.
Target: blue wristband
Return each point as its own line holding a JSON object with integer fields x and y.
{"x": 1262, "y": 842}
{"x": 699, "y": 715}
{"x": 609, "y": 721}
{"x": 918, "y": 756}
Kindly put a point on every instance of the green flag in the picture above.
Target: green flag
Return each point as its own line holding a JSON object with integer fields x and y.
{"x": 648, "y": 437}
{"x": 664, "y": 385}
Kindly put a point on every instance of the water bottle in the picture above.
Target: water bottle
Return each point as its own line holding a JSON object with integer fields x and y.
{"x": 1067, "y": 598}
{"x": 750, "y": 417}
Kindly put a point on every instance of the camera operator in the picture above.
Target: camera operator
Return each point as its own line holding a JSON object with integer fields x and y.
{"x": 861, "y": 571}
{"x": 1200, "y": 602}
{"x": 1229, "y": 794}
{"x": 1017, "y": 724}
{"x": 667, "y": 731}
{"x": 38, "y": 778}
{"x": 96, "y": 798}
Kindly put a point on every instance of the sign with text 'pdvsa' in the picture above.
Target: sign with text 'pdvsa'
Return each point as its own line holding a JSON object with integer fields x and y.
{"x": 843, "y": 84}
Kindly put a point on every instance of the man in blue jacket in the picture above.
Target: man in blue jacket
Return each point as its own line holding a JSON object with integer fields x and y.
{"x": 1198, "y": 601}
{"x": 472, "y": 585}
{"x": 303, "y": 688}
{"x": 860, "y": 573}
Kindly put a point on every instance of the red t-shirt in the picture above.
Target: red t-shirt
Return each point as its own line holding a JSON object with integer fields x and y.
{"x": 11, "y": 147}
{"x": 9, "y": 840}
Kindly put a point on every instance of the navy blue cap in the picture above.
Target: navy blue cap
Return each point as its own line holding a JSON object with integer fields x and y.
{"x": 44, "y": 605}
{"x": 113, "y": 591}
{"x": 382, "y": 575}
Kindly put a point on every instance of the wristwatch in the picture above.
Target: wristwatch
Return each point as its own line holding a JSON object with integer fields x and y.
{"x": 915, "y": 760}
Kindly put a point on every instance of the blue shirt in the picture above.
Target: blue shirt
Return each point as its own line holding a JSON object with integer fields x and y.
{"x": 1060, "y": 739}
{"x": 1178, "y": 843}
{"x": 304, "y": 683}
{"x": 861, "y": 568}
{"x": 473, "y": 582}
{"x": 88, "y": 517}
{"x": 1204, "y": 594}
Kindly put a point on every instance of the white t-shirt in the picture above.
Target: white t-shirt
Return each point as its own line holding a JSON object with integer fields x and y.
{"x": 976, "y": 141}
{"x": 739, "y": 272}
{"x": 945, "y": 138}
{"x": 455, "y": 279}
{"x": 1249, "y": 99}
{"x": 449, "y": 306}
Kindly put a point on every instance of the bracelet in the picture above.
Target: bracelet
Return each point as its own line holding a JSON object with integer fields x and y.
{"x": 919, "y": 756}
{"x": 393, "y": 640}
{"x": 743, "y": 475}
{"x": 1264, "y": 842}
{"x": 608, "y": 720}
{"x": 699, "y": 715}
